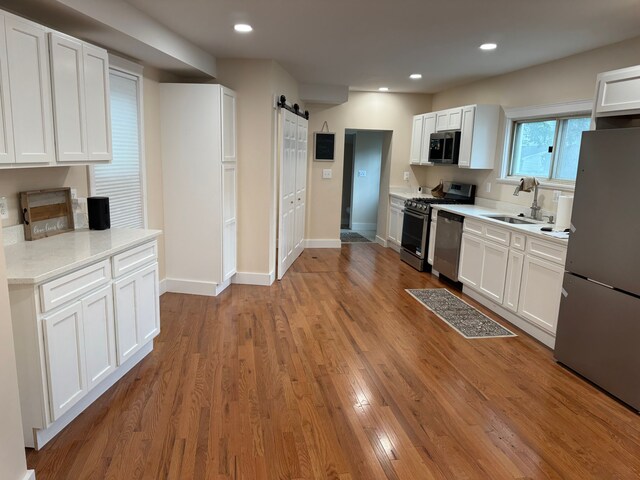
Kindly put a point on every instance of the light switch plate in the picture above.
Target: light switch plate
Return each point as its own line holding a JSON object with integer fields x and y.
{"x": 487, "y": 187}
{"x": 326, "y": 173}
{"x": 406, "y": 176}
{"x": 4, "y": 210}
{"x": 74, "y": 194}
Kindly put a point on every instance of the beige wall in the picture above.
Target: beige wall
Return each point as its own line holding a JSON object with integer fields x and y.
{"x": 19, "y": 180}
{"x": 12, "y": 458}
{"x": 364, "y": 111}
{"x": 569, "y": 79}
{"x": 153, "y": 160}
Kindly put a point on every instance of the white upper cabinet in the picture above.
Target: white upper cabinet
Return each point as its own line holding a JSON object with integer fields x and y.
{"x": 478, "y": 125}
{"x": 423, "y": 126}
{"x": 449, "y": 119}
{"x": 54, "y": 97}
{"x": 80, "y": 76}
{"x": 416, "y": 140}
{"x": 6, "y": 127}
{"x": 479, "y": 136}
{"x": 30, "y": 92}
{"x": 428, "y": 127}
{"x": 98, "y": 103}
{"x": 618, "y": 92}
{"x": 67, "y": 75}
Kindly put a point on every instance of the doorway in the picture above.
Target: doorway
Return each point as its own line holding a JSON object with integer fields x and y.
{"x": 362, "y": 170}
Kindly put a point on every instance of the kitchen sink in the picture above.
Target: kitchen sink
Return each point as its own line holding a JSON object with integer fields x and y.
{"x": 513, "y": 220}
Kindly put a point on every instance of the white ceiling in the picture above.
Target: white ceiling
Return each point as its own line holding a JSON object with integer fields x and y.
{"x": 366, "y": 44}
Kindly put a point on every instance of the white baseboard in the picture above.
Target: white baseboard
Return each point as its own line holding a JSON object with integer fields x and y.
{"x": 533, "y": 330}
{"x": 381, "y": 241}
{"x": 30, "y": 475}
{"x": 364, "y": 226}
{"x": 322, "y": 243}
{"x": 191, "y": 287}
{"x": 250, "y": 278}
{"x": 42, "y": 436}
{"x": 393, "y": 246}
{"x": 163, "y": 286}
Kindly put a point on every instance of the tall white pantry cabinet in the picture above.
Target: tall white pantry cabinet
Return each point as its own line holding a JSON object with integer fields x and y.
{"x": 199, "y": 161}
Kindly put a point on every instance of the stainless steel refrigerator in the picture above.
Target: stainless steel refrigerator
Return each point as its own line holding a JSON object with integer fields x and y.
{"x": 598, "y": 333}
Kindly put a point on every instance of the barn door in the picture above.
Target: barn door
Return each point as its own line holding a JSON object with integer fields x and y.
{"x": 287, "y": 192}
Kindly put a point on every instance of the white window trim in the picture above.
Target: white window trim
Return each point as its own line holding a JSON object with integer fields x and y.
{"x": 135, "y": 70}
{"x": 580, "y": 107}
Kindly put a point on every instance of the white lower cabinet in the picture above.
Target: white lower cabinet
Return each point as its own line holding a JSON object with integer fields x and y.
{"x": 540, "y": 292}
{"x": 470, "y": 270}
{"x": 396, "y": 217}
{"x": 514, "y": 278}
{"x": 99, "y": 335}
{"x": 137, "y": 311}
{"x": 65, "y": 354}
{"x": 483, "y": 266}
{"x": 527, "y": 283}
{"x": 494, "y": 269}
{"x": 432, "y": 240}
{"x": 73, "y": 334}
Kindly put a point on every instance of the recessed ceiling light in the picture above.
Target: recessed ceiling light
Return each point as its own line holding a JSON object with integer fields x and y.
{"x": 488, "y": 46}
{"x": 415, "y": 76}
{"x": 242, "y": 28}
{"x": 384, "y": 89}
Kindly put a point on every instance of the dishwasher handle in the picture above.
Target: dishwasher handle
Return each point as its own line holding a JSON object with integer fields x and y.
{"x": 450, "y": 217}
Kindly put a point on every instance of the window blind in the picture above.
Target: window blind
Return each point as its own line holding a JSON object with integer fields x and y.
{"x": 121, "y": 180}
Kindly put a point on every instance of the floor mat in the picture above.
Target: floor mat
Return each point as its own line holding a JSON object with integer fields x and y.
{"x": 353, "y": 237}
{"x": 466, "y": 320}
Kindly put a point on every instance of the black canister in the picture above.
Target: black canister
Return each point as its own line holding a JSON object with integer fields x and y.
{"x": 99, "y": 215}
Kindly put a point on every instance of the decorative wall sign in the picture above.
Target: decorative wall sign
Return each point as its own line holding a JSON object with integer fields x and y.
{"x": 324, "y": 146}
{"x": 46, "y": 212}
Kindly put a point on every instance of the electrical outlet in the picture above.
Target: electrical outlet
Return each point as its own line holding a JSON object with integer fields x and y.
{"x": 556, "y": 196}
{"x": 4, "y": 210}
{"x": 362, "y": 173}
{"x": 74, "y": 194}
{"x": 406, "y": 176}
{"x": 487, "y": 187}
{"x": 326, "y": 173}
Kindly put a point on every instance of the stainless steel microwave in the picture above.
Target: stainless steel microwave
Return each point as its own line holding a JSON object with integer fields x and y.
{"x": 444, "y": 147}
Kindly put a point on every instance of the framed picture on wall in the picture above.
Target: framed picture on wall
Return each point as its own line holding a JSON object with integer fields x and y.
{"x": 324, "y": 146}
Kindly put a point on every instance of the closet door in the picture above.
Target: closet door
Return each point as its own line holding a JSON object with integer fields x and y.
{"x": 301, "y": 185}
{"x": 287, "y": 196}
{"x": 31, "y": 107}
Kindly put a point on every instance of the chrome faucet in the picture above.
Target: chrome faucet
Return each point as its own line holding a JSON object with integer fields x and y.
{"x": 535, "y": 208}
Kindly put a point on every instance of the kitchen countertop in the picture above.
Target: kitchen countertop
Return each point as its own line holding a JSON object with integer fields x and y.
{"x": 475, "y": 211}
{"x": 41, "y": 260}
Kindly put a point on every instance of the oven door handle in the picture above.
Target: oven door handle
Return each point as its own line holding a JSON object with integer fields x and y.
{"x": 421, "y": 216}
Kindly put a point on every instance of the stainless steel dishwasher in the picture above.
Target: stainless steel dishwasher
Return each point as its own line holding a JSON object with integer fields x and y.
{"x": 446, "y": 257}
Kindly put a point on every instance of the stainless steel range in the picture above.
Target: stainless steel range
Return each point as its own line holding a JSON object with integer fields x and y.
{"x": 417, "y": 222}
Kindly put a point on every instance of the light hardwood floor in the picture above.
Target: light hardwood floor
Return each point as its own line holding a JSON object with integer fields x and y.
{"x": 336, "y": 372}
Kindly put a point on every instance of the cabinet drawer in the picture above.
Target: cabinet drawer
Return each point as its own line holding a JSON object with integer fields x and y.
{"x": 498, "y": 235}
{"x": 70, "y": 287}
{"x": 127, "y": 262}
{"x": 397, "y": 202}
{"x": 474, "y": 227}
{"x": 518, "y": 241}
{"x": 547, "y": 250}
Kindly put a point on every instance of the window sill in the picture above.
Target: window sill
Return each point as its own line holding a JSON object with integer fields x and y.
{"x": 563, "y": 187}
